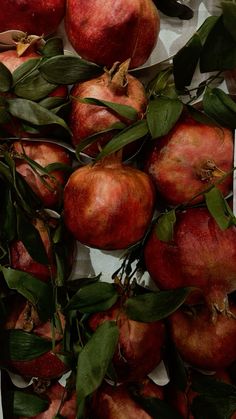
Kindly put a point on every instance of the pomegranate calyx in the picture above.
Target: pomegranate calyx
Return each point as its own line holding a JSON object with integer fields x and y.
{"x": 118, "y": 75}
{"x": 26, "y": 42}
{"x": 208, "y": 170}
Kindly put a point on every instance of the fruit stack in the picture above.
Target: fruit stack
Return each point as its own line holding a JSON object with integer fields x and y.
{"x": 92, "y": 156}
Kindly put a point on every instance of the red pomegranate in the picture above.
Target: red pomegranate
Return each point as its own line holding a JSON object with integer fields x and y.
{"x": 49, "y": 188}
{"x": 20, "y": 258}
{"x": 140, "y": 345}
{"x": 202, "y": 342}
{"x": 115, "y": 402}
{"x": 201, "y": 255}
{"x": 60, "y": 401}
{"x": 189, "y": 159}
{"x": 116, "y": 86}
{"x": 23, "y": 316}
{"x": 108, "y": 205}
{"x": 40, "y": 17}
{"x": 105, "y": 32}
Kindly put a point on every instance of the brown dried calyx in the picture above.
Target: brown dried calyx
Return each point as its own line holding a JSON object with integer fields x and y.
{"x": 118, "y": 75}
{"x": 208, "y": 170}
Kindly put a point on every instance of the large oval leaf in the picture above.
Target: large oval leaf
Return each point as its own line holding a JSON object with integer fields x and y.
{"x": 34, "y": 87}
{"x": 162, "y": 114}
{"x": 5, "y": 78}
{"x": 216, "y": 105}
{"x": 19, "y": 403}
{"x": 17, "y": 345}
{"x": 123, "y": 110}
{"x": 25, "y": 69}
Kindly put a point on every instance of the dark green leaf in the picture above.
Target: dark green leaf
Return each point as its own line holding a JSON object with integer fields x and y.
{"x": 162, "y": 114}
{"x": 94, "y": 360}
{"x": 17, "y": 345}
{"x": 20, "y": 403}
{"x": 5, "y": 117}
{"x": 214, "y": 104}
{"x": 5, "y": 78}
{"x": 93, "y": 298}
{"x": 68, "y": 69}
{"x": 200, "y": 116}
{"x": 174, "y": 9}
{"x": 34, "y": 87}
{"x": 160, "y": 82}
{"x": 25, "y": 69}
{"x": 53, "y": 46}
{"x": 185, "y": 62}
{"x": 229, "y": 17}
{"x": 8, "y": 216}
{"x": 52, "y": 102}
{"x": 34, "y": 113}
{"x": 122, "y": 110}
{"x": 164, "y": 227}
{"x": 219, "y": 50}
{"x": 219, "y": 208}
{"x": 128, "y": 135}
{"x": 206, "y": 27}
{"x": 177, "y": 369}
{"x": 156, "y": 408}
{"x": 39, "y": 293}
{"x": 152, "y": 306}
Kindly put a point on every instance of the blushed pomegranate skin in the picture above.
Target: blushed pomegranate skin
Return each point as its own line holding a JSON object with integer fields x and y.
{"x": 140, "y": 345}
{"x": 35, "y": 17}
{"x": 189, "y": 159}
{"x": 20, "y": 258}
{"x": 115, "y": 402}
{"x": 43, "y": 154}
{"x": 108, "y": 205}
{"x": 201, "y": 255}
{"x": 12, "y": 60}
{"x": 201, "y": 342}
{"x": 87, "y": 119}
{"x": 55, "y": 394}
{"x": 105, "y": 32}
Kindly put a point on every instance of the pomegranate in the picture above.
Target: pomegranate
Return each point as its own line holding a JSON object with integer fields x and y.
{"x": 48, "y": 188}
{"x": 108, "y": 205}
{"x": 40, "y": 17}
{"x": 202, "y": 342}
{"x": 20, "y": 258}
{"x": 60, "y": 401}
{"x": 189, "y": 159}
{"x": 140, "y": 345}
{"x": 23, "y": 316}
{"x": 115, "y": 402}
{"x": 104, "y": 32}
{"x": 201, "y": 255}
{"x": 116, "y": 86}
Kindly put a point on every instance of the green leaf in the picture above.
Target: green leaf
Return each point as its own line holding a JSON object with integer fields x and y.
{"x": 25, "y": 69}
{"x": 34, "y": 87}
{"x": 34, "y": 113}
{"x": 8, "y": 216}
{"x": 5, "y": 78}
{"x": 94, "y": 360}
{"x": 52, "y": 102}
{"x": 156, "y": 408}
{"x": 96, "y": 297}
{"x": 53, "y": 46}
{"x": 229, "y": 17}
{"x": 219, "y": 208}
{"x": 174, "y": 9}
{"x": 5, "y": 117}
{"x": 200, "y": 116}
{"x": 20, "y": 403}
{"x": 160, "y": 82}
{"x": 152, "y": 306}
{"x": 164, "y": 227}
{"x": 219, "y": 50}
{"x": 39, "y": 293}
{"x": 123, "y": 110}
{"x": 162, "y": 114}
{"x": 216, "y": 105}
{"x": 17, "y": 345}
{"x": 177, "y": 370}
{"x": 132, "y": 133}
{"x": 68, "y": 69}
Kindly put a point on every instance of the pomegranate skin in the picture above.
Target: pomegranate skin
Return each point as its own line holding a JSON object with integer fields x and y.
{"x": 201, "y": 255}
{"x": 189, "y": 159}
{"x": 108, "y": 205}
{"x": 12, "y": 60}
{"x": 140, "y": 345}
{"x": 201, "y": 342}
{"x": 43, "y": 154}
{"x": 115, "y": 402}
{"x": 87, "y": 119}
{"x": 36, "y": 17}
{"x": 105, "y": 32}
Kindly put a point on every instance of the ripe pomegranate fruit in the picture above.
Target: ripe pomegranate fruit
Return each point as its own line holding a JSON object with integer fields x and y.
{"x": 104, "y": 32}
{"x": 115, "y": 402}
{"x": 189, "y": 159}
{"x": 23, "y": 316}
{"x": 40, "y": 17}
{"x": 202, "y": 342}
{"x": 20, "y": 258}
{"x": 108, "y": 205}
{"x": 140, "y": 345}
{"x": 48, "y": 188}
{"x": 116, "y": 86}
{"x": 60, "y": 401}
{"x": 201, "y": 255}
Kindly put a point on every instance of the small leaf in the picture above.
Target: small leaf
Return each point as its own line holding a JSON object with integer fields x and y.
{"x": 52, "y": 102}
{"x": 53, "y": 46}
{"x": 123, "y": 110}
{"x": 94, "y": 360}
{"x": 160, "y": 82}
{"x": 68, "y": 69}
{"x": 229, "y": 17}
{"x": 214, "y": 104}
{"x": 152, "y": 306}
{"x": 5, "y": 78}
{"x": 164, "y": 227}
{"x": 162, "y": 114}
{"x": 96, "y": 297}
{"x": 17, "y": 345}
{"x": 200, "y": 116}
{"x": 20, "y": 403}
{"x": 25, "y": 69}
{"x": 219, "y": 208}
{"x": 34, "y": 87}
{"x": 8, "y": 216}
